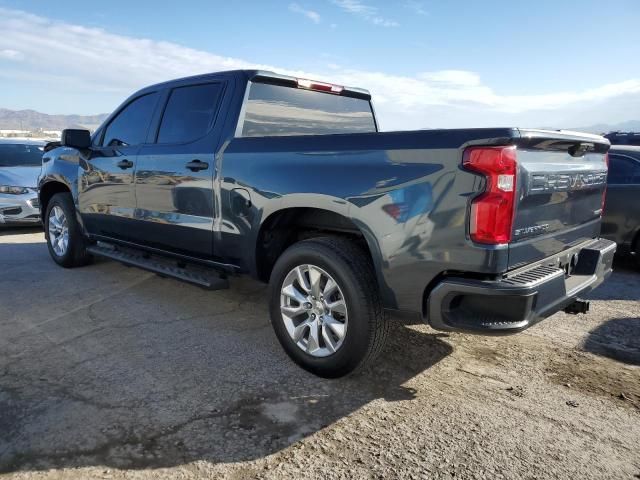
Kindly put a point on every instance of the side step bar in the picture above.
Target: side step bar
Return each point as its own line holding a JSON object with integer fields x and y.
{"x": 195, "y": 274}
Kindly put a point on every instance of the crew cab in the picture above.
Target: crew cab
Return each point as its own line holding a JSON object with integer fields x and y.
{"x": 289, "y": 180}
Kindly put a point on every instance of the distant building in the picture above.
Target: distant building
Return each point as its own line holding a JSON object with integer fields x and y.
{"x": 15, "y": 133}
{"x": 39, "y": 133}
{"x": 52, "y": 133}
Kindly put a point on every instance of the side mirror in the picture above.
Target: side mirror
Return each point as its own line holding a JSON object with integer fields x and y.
{"x": 76, "y": 138}
{"x": 51, "y": 145}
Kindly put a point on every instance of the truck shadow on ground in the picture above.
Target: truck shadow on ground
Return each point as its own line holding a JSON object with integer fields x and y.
{"x": 618, "y": 338}
{"x": 116, "y": 367}
{"x": 627, "y": 274}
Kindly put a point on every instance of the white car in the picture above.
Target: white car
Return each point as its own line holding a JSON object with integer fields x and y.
{"x": 20, "y": 164}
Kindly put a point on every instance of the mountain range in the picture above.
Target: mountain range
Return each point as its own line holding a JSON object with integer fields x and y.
{"x": 629, "y": 126}
{"x": 32, "y": 120}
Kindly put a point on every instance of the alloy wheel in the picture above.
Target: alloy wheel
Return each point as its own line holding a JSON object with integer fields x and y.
{"x": 314, "y": 310}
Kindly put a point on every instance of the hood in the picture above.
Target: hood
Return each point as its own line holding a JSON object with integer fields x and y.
{"x": 20, "y": 176}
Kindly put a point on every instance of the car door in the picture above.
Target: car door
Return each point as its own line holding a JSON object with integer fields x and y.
{"x": 106, "y": 199}
{"x": 175, "y": 172}
{"x": 622, "y": 210}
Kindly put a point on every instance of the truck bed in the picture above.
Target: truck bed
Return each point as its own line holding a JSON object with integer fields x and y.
{"x": 410, "y": 195}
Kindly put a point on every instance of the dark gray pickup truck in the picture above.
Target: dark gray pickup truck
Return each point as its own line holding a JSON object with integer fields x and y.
{"x": 288, "y": 180}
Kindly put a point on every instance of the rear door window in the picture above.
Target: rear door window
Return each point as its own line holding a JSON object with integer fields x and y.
{"x": 130, "y": 126}
{"x": 274, "y": 110}
{"x": 623, "y": 170}
{"x": 190, "y": 113}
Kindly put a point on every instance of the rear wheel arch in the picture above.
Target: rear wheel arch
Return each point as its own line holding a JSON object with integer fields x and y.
{"x": 287, "y": 226}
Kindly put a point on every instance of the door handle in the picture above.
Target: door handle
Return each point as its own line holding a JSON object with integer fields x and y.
{"x": 124, "y": 164}
{"x": 197, "y": 165}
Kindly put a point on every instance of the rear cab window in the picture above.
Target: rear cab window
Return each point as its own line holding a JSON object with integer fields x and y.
{"x": 275, "y": 110}
{"x": 190, "y": 113}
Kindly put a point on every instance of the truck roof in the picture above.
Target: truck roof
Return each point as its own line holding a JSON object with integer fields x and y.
{"x": 250, "y": 74}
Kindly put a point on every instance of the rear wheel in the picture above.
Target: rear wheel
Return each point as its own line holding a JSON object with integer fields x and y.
{"x": 325, "y": 306}
{"x": 67, "y": 245}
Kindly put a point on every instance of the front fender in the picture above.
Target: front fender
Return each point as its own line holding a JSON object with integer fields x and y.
{"x": 60, "y": 165}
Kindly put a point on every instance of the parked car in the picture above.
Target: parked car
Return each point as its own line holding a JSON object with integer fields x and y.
{"x": 20, "y": 163}
{"x": 289, "y": 180}
{"x": 621, "y": 221}
{"x": 623, "y": 138}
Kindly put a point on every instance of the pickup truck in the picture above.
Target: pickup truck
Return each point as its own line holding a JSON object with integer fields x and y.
{"x": 289, "y": 180}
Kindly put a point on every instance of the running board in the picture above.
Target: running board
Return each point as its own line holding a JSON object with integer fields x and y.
{"x": 165, "y": 267}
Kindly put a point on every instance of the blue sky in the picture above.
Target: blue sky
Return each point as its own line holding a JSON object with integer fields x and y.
{"x": 428, "y": 63}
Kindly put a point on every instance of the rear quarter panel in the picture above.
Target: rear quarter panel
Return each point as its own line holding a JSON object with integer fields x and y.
{"x": 362, "y": 176}
{"x": 621, "y": 220}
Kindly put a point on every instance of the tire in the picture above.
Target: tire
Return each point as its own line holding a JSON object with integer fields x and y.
{"x": 365, "y": 323}
{"x": 75, "y": 252}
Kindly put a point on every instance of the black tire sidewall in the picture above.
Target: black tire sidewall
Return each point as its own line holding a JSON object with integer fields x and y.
{"x": 356, "y": 343}
{"x": 76, "y": 245}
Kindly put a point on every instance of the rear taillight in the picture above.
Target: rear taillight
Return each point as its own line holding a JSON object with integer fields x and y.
{"x": 604, "y": 192}
{"x": 492, "y": 211}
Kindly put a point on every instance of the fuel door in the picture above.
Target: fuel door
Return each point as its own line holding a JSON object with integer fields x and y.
{"x": 240, "y": 202}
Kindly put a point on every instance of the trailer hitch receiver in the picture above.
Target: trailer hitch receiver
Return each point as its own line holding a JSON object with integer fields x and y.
{"x": 578, "y": 306}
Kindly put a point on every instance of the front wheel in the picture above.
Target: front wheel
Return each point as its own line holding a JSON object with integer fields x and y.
{"x": 67, "y": 245}
{"x": 325, "y": 307}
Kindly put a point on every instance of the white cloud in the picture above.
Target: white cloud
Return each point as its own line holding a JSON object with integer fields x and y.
{"x": 453, "y": 77}
{"x": 365, "y": 11}
{"x": 10, "y": 54}
{"x": 416, "y": 7}
{"x": 63, "y": 62}
{"x": 310, "y": 14}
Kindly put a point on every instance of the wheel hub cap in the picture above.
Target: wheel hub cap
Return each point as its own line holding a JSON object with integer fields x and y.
{"x": 313, "y": 310}
{"x": 58, "y": 231}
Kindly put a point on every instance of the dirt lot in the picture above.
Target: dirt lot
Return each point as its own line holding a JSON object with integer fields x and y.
{"x": 112, "y": 372}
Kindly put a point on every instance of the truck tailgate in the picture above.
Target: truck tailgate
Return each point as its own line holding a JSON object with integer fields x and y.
{"x": 561, "y": 181}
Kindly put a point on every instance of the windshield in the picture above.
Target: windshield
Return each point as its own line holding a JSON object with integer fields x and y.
{"x": 20, "y": 155}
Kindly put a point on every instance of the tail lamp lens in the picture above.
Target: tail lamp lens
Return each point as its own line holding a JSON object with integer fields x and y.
{"x": 492, "y": 211}
{"x": 604, "y": 191}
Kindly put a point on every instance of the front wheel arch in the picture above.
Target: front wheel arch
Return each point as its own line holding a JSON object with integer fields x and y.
{"x": 47, "y": 191}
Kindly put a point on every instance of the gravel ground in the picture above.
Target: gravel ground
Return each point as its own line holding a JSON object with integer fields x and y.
{"x": 112, "y": 372}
